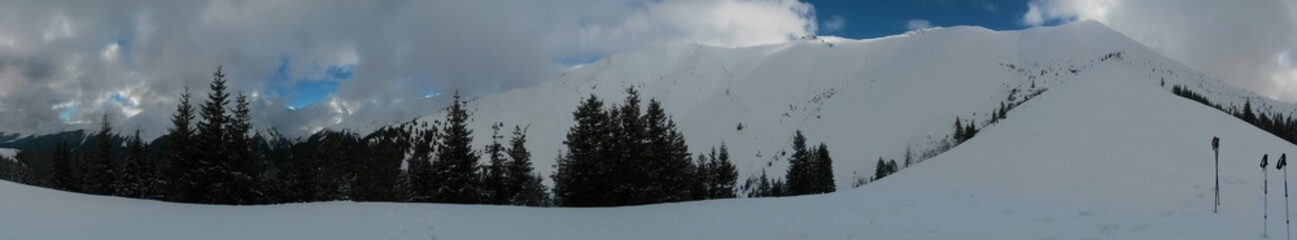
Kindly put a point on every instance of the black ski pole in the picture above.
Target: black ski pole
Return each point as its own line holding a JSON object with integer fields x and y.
{"x": 1265, "y": 198}
{"x": 1283, "y": 160}
{"x": 1215, "y": 147}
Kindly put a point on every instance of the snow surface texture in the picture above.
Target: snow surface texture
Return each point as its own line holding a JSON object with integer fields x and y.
{"x": 1105, "y": 153}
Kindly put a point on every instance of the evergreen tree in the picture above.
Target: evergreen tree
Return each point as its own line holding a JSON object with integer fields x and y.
{"x": 212, "y": 162}
{"x": 908, "y": 162}
{"x": 959, "y": 131}
{"x": 420, "y": 174}
{"x": 824, "y": 170}
{"x": 21, "y": 169}
{"x": 99, "y": 171}
{"x": 378, "y": 178}
{"x": 1248, "y": 116}
{"x": 1004, "y": 111}
{"x": 180, "y": 170}
{"x": 578, "y": 181}
{"x": 881, "y": 169}
{"x": 778, "y": 188}
{"x": 763, "y": 188}
{"x": 970, "y": 130}
{"x": 331, "y": 181}
{"x": 64, "y": 175}
{"x": 456, "y": 164}
{"x": 703, "y": 187}
{"x": 135, "y": 180}
{"x": 801, "y": 167}
{"x": 621, "y": 157}
{"x": 83, "y": 163}
{"x": 298, "y": 175}
{"x": 724, "y": 176}
{"x": 629, "y": 156}
{"x": 243, "y": 166}
{"x": 891, "y": 167}
{"x": 670, "y": 170}
{"x": 494, "y": 183}
{"x": 524, "y": 186}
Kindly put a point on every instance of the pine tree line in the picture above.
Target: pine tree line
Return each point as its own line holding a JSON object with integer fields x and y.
{"x": 212, "y": 154}
{"x": 1278, "y": 124}
{"x": 810, "y": 171}
{"x": 619, "y": 156}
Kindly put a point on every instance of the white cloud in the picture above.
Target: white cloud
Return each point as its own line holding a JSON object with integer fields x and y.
{"x": 916, "y": 24}
{"x": 60, "y": 27}
{"x": 835, "y": 23}
{"x": 53, "y": 52}
{"x": 1033, "y": 17}
{"x": 110, "y": 52}
{"x": 1235, "y": 42}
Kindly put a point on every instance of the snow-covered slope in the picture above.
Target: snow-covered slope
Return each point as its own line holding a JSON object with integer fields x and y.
{"x": 866, "y": 99}
{"x": 1105, "y": 153}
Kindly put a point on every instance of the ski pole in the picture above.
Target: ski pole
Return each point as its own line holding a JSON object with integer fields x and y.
{"x": 1283, "y": 160}
{"x": 1215, "y": 147}
{"x": 1265, "y": 198}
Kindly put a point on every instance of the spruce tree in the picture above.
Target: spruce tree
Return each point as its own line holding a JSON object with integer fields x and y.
{"x": 959, "y": 131}
{"x": 970, "y": 130}
{"x": 83, "y": 161}
{"x": 98, "y": 170}
{"x": 420, "y": 174}
{"x": 824, "y": 170}
{"x": 1248, "y": 116}
{"x": 180, "y": 169}
{"x": 378, "y": 177}
{"x": 801, "y": 167}
{"x": 578, "y": 179}
{"x": 299, "y": 173}
{"x": 724, "y": 175}
{"x": 763, "y": 187}
{"x": 64, "y": 175}
{"x": 526, "y": 187}
{"x": 703, "y": 187}
{"x": 670, "y": 170}
{"x": 456, "y": 166}
{"x": 211, "y": 140}
{"x": 494, "y": 183}
{"x": 881, "y": 169}
{"x": 21, "y": 169}
{"x": 133, "y": 181}
{"x": 629, "y": 157}
{"x": 891, "y": 167}
{"x": 331, "y": 181}
{"x": 243, "y": 166}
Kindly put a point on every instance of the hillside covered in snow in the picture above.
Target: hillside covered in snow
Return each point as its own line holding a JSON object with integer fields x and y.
{"x": 1095, "y": 146}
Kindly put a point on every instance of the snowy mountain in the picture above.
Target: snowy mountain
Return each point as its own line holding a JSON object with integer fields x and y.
{"x": 1101, "y": 150}
{"x": 866, "y": 99}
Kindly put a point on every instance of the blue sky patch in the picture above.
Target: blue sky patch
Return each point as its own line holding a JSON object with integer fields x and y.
{"x": 877, "y": 18}
{"x": 301, "y": 91}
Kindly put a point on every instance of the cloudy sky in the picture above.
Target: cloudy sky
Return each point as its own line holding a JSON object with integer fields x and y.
{"x": 63, "y": 63}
